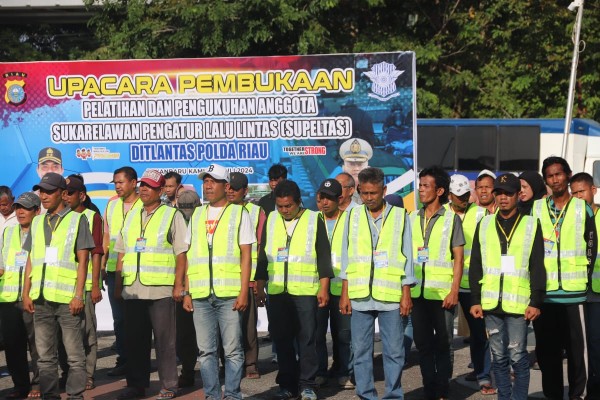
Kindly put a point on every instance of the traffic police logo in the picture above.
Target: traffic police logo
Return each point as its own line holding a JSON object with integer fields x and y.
{"x": 383, "y": 76}
{"x": 15, "y": 88}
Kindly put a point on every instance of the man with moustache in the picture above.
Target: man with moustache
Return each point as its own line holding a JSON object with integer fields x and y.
{"x": 570, "y": 247}
{"x": 277, "y": 173}
{"x": 508, "y": 282}
{"x": 484, "y": 185}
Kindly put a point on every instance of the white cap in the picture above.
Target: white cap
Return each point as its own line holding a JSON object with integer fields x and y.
{"x": 217, "y": 171}
{"x": 487, "y": 172}
{"x": 356, "y": 150}
{"x": 459, "y": 185}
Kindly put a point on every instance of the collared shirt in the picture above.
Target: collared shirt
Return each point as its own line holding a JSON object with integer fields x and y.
{"x": 84, "y": 237}
{"x": 369, "y": 303}
{"x": 5, "y": 222}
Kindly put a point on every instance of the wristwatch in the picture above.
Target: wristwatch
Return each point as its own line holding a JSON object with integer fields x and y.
{"x": 185, "y": 293}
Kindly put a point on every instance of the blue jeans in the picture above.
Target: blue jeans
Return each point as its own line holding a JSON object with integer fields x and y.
{"x": 118, "y": 318}
{"x": 408, "y": 335}
{"x": 392, "y": 337}
{"x": 340, "y": 336}
{"x": 508, "y": 341}
{"x": 478, "y": 345}
{"x": 212, "y": 315}
{"x": 48, "y": 318}
{"x": 592, "y": 321}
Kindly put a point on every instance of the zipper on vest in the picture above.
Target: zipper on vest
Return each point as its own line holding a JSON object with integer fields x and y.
{"x": 19, "y": 295}
{"x": 210, "y": 269}
{"x": 285, "y": 264}
{"x": 501, "y": 290}
{"x": 558, "y": 264}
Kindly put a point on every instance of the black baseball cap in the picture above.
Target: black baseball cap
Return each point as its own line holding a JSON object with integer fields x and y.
{"x": 75, "y": 183}
{"x": 51, "y": 181}
{"x": 330, "y": 187}
{"x": 238, "y": 181}
{"x": 508, "y": 183}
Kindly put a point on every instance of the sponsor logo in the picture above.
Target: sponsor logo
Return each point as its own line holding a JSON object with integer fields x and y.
{"x": 383, "y": 76}
{"x": 15, "y": 88}
{"x": 305, "y": 150}
{"x": 96, "y": 153}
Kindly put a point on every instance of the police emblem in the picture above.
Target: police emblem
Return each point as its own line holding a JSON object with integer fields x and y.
{"x": 383, "y": 76}
{"x": 15, "y": 88}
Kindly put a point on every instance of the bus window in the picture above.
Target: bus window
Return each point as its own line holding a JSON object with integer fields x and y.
{"x": 519, "y": 148}
{"x": 596, "y": 173}
{"x": 436, "y": 146}
{"x": 476, "y": 148}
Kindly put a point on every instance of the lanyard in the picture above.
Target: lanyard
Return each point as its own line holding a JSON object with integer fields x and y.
{"x": 373, "y": 219}
{"x": 144, "y": 225}
{"x": 512, "y": 231}
{"x": 210, "y": 228}
{"x": 53, "y": 228}
{"x": 337, "y": 218}
{"x": 557, "y": 219}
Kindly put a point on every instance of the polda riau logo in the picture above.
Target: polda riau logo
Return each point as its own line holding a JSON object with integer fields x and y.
{"x": 15, "y": 88}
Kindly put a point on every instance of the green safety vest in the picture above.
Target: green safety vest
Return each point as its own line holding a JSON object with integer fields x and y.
{"x": 473, "y": 215}
{"x": 11, "y": 283}
{"x": 512, "y": 288}
{"x": 115, "y": 219}
{"x": 88, "y": 281}
{"x": 336, "y": 241}
{"x": 596, "y": 270}
{"x": 570, "y": 274}
{"x": 60, "y": 277}
{"x": 298, "y": 276}
{"x": 254, "y": 211}
{"x": 157, "y": 261}
{"x": 366, "y": 276}
{"x": 434, "y": 276}
{"x": 224, "y": 273}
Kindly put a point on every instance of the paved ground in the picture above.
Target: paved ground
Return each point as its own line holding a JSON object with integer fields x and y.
{"x": 265, "y": 387}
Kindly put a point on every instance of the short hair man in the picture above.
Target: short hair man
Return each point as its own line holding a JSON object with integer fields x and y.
{"x": 149, "y": 276}
{"x": 484, "y": 185}
{"x": 220, "y": 237}
{"x": 49, "y": 160}
{"x": 58, "y": 244}
{"x": 377, "y": 273}
{"x": 570, "y": 247}
{"x": 277, "y": 173}
{"x": 582, "y": 187}
{"x": 296, "y": 259}
{"x": 8, "y": 217}
{"x": 348, "y": 183}
{"x": 508, "y": 282}
{"x": 172, "y": 187}
{"x": 17, "y": 326}
{"x": 438, "y": 249}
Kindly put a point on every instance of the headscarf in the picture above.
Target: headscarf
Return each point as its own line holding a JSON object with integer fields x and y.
{"x": 538, "y": 186}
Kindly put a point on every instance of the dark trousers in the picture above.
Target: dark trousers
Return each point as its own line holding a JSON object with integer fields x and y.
{"x": 294, "y": 318}
{"x": 145, "y": 317}
{"x": 249, "y": 333}
{"x": 116, "y": 307}
{"x": 17, "y": 330}
{"x": 187, "y": 348}
{"x": 561, "y": 327}
{"x": 340, "y": 336}
{"x": 592, "y": 320}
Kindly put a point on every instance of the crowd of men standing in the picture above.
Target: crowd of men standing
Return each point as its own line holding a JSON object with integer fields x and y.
{"x": 192, "y": 275}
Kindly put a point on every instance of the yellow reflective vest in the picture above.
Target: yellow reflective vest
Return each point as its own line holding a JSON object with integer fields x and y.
{"x": 376, "y": 269}
{"x": 566, "y": 262}
{"x": 156, "y": 263}
{"x": 512, "y": 288}
{"x": 115, "y": 216}
{"x": 337, "y": 242}
{"x": 11, "y": 282}
{"x": 473, "y": 215}
{"x": 88, "y": 281}
{"x": 217, "y": 269}
{"x": 254, "y": 211}
{"x": 292, "y": 260}
{"x": 596, "y": 269}
{"x": 434, "y": 276}
{"x": 60, "y": 276}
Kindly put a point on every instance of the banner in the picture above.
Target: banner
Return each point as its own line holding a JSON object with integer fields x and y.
{"x": 316, "y": 115}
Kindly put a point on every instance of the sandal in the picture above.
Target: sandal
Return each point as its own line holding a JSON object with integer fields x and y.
{"x": 166, "y": 394}
{"x": 89, "y": 384}
{"x": 488, "y": 389}
{"x": 252, "y": 375}
{"x": 34, "y": 394}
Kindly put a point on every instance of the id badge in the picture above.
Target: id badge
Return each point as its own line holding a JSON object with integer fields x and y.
{"x": 333, "y": 259}
{"x": 380, "y": 259}
{"x": 51, "y": 256}
{"x": 423, "y": 254}
{"x": 507, "y": 264}
{"x": 282, "y": 254}
{"x": 21, "y": 258}
{"x": 548, "y": 247}
{"x": 140, "y": 245}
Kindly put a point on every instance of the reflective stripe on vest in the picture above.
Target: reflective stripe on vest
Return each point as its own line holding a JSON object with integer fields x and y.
{"x": 115, "y": 219}
{"x": 11, "y": 282}
{"x": 515, "y": 291}
{"x": 59, "y": 277}
{"x": 364, "y": 279}
{"x": 337, "y": 242}
{"x": 226, "y": 254}
{"x": 254, "y": 211}
{"x": 157, "y": 261}
{"x": 88, "y": 281}
{"x": 596, "y": 269}
{"x": 473, "y": 215}
{"x": 572, "y": 276}
{"x": 302, "y": 275}
{"x": 435, "y": 276}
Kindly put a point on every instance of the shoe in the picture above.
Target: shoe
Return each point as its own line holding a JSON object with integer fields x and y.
{"x": 131, "y": 393}
{"x": 185, "y": 381}
{"x": 284, "y": 394}
{"x": 321, "y": 380}
{"x": 16, "y": 394}
{"x": 308, "y": 394}
{"x": 471, "y": 377}
{"x": 535, "y": 366}
{"x": 344, "y": 382}
{"x": 118, "y": 370}
{"x": 274, "y": 359}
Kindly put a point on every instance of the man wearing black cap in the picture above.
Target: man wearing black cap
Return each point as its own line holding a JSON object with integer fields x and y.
{"x": 17, "y": 325}
{"x": 74, "y": 198}
{"x": 58, "y": 244}
{"x": 236, "y": 194}
{"x": 330, "y": 195}
{"x": 508, "y": 282}
{"x": 49, "y": 160}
